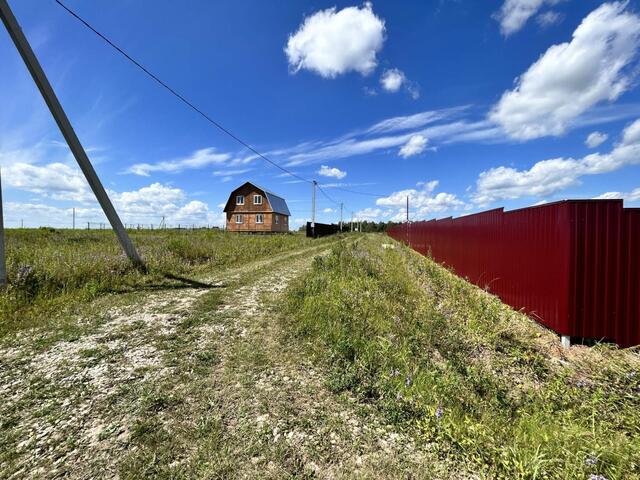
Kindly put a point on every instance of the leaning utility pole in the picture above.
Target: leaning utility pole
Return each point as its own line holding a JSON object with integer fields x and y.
{"x": 3, "y": 263}
{"x": 313, "y": 209}
{"x": 68, "y": 133}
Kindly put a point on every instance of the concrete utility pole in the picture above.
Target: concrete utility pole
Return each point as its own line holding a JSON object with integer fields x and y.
{"x": 3, "y": 262}
{"x": 69, "y": 134}
{"x": 74, "y": 218}
{"x": 341, "y": 206}
{"x": 313, "y": 209}
{"x": 407, "y": 208}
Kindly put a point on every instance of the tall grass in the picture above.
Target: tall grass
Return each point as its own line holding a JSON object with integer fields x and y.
{"x": 463, "y": 371}
{"x": 51, "y": 270}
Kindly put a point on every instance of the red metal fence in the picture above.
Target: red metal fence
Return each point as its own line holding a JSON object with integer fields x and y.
{"x": 573, "y": 265}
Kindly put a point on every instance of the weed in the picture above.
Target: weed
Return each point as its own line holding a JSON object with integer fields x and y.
{"x": 467, "y": 374}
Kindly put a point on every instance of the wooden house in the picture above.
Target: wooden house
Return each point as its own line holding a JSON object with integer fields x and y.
{"x": 254, "y": 209}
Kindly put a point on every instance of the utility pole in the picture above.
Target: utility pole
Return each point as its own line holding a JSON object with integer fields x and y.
{"x": 50, "y": 98}
{"x": 341, "y": 206}
{"x": 313, "y": 209}
{"x": 351, "y": 223}
{"x": 74, "y": 218}
{"x": 3, "y": 262}
{"x": 407, "y": 208}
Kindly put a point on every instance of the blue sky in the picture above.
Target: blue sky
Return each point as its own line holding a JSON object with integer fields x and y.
{"x": 460, "y": 105}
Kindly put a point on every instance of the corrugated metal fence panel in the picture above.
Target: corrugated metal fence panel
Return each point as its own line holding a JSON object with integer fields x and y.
{"x": 629, "y": 329}
{"x": 597, "y": 263}
{"x": 533, "y": 257}
{"x": 572, "y": 265}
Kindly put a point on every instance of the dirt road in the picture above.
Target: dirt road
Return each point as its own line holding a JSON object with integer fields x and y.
{"x": 195, "y": 383}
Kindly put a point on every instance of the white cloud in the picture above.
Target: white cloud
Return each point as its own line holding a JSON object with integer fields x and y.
{"x": 328, "y": 210}
{"x": 513, "y": 14}
{"x": 633, "y": 196}
{"x": 332, "y": 172}
{"x": 146, "y": 205}
{"x": 417, "y": 120}
{"x": 198, "y": 159}
{"x": 416, "y": 145}
{"x": 360, "y": 143}
{"x": 368, "y": 215}
{"x": 595, "y": 139}
{"x": 571, "y": 77}
{"x": 391, "y": 80}
{"x": 547, "y": 19}
{"x": 230, "y": 173}
{"x": 549, "y": 176}
{"x": 332, "y": 42}
{"x": 422, "y": 201}
{"x": 55, "y": 180}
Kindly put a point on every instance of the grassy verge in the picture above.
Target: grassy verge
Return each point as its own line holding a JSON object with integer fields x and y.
{"x": 52, "y": 272}
{"x": 463, "y": 372}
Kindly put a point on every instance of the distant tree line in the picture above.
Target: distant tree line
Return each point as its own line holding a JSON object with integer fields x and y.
{"x": 367, "y": 227}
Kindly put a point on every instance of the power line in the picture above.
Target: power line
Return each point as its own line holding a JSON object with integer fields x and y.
{"x": 177, "y": 95}
{"x": 201, "y": 112}
{"x": 326, "y": 195}
{"x": 356, "y": 192}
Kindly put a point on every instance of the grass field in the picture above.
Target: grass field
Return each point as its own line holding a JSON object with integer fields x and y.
{"x": 463, "y": 372}
{"x": 54, "y": 272}
{"x": 275, "y": 357}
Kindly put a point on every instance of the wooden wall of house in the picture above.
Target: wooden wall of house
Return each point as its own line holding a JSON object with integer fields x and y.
{"x": 249, "y": 223}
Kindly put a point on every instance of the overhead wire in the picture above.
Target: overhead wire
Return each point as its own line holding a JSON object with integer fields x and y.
{"x": 203, "y": 114}
{"x": 178, "y": 95}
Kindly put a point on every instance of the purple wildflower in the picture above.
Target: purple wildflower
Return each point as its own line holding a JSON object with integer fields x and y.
{"x": 23, "y": 274}
{"x": 593, "y": 476}
{"x": 439, "y": 412}
{"x": 591, "y": 460}
{"x": 395, "y": 372}
{"x": 407, "y": 382}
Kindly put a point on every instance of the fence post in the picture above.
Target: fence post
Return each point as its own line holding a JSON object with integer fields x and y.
{"x": 3, "y": 263}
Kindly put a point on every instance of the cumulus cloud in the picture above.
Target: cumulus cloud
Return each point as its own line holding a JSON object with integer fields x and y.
{"x": 368, "y": 215}
{"x": 416, "y": 145}
{"x": 595, "y": 139}
{"x": 146, "y": 205}
{"x": 392, "y": 80}
{"x": 550, "y": 176}
{"x": 422, "y": 201}
{"x": 54, "y": 180}
{"x": 328, "y": 210}
{"x": 331, "y": 172}
{"x": 571, "y": 77}
{"x": 198, "y": 159}
{"x": 633, "y": 196}
{"x": 332, "y": 42}
{"x": 514, "y": 14}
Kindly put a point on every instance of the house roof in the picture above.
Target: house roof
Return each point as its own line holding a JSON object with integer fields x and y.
{"x": 278, "y": 204}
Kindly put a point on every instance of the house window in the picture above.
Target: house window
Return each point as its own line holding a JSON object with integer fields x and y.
{"x": 239, "y": 219}
{"x": 257, "y": 199}
{"x": 259, "y": 218}
{"x": 277, "y": 219}
{"x": 240, "y": 200}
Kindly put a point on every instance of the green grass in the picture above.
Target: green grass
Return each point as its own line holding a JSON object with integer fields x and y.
{"x": 463, "y": 372}
{"x": 52, "y": 273}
